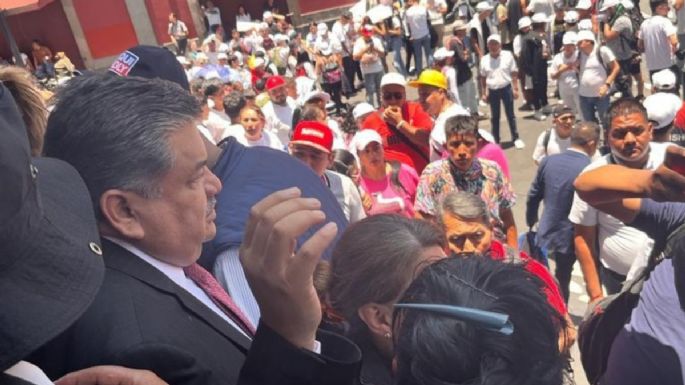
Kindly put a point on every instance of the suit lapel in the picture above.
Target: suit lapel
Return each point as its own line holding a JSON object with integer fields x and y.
{"x": 122, "y": 260}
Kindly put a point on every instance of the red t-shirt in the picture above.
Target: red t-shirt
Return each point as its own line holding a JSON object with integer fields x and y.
{"x": 551, "y": 289}
{"x": 395, "y": 147}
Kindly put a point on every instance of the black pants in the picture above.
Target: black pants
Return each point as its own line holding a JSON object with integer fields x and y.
{"x": 351, "y": 67}
{"x": 611, "y": 280}
{"x": 335, "y": 90}
{"x": 563, "y": 270}
{"x": 506, "y": 96}
{"x": 410, "y": 52}
{"x": 540, "y": 92}
{"x": 181, "y": 45}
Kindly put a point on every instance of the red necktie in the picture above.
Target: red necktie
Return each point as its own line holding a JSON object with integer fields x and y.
{"x": 219, "y": 296}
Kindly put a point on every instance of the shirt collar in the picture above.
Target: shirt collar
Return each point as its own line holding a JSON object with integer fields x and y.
{"x": 174, "y": 273}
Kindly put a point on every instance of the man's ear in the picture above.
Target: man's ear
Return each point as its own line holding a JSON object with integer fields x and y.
{"x": 378, "y": 318}
{"x": 118, "y": 208}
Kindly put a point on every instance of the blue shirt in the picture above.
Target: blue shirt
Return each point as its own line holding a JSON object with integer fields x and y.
{"x": 650, "y": 349}
{"x": 553, "y": 183}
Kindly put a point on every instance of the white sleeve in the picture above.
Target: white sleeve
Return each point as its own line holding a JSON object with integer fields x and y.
{"x": 539, "y": 151}
{"x": 669, "y": 28}
{"x": 354, "y": 200}
{"x": 556, "y": 62}
{"x": 358, "y": 47}
{"x": 229, "y": 272}
{"x": 452, "y": 79}
{"x": 582, "y": 213}
{"x": 512, "y": 65}
{"x": 607, "y": 54}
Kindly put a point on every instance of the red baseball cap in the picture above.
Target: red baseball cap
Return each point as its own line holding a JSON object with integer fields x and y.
{"x": 314, "y": 134}
{"x": 679, "y": 120}
{"x": 274, "y": 82}
{"x": 367, "y": 30}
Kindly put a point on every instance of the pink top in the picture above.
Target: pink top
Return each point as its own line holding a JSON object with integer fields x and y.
{"x": 390, "y": 199}
{"x": 494, "y": 152}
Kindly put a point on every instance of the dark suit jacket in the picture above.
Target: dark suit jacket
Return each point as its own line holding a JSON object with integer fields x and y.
{"x": 554, "y": 184}
{"x": 141, "y": 319}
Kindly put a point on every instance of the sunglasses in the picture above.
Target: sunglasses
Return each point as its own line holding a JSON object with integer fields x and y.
{"x": 393, "y": 95}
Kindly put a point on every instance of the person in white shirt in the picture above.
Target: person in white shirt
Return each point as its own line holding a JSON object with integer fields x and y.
{"x": 436, "y": 10}
{"x": 218, "y": 120}
{"x": 369, "y": 50}
{"x": 436, "y": 100}
{"x": 279, "y": 110}
{"x": 242, "y": 15}
{"x": 442, "y": 61}
{"x": 565, "y": 71}
{"x": 658, "y": 39}
{"x": 178, "y": 32}
{"x": 416, "y": 17}
{"x": 629, "y": 138}
{"x": 499, "y": 81}
{"x": 252, "y": 120}
{"x": 213, "y": 15}
{"x": 557, "y": 139}
{"x": 312, "y": 143}
{"x": 598, "y": 69}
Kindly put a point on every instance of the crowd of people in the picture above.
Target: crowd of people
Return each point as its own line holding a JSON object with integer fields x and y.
{"x": 225, "y": 213}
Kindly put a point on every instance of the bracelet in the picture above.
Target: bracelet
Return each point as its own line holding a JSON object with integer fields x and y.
{"x": 401, "y": 123}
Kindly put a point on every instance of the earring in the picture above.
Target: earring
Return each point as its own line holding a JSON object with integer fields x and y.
{"x": 387, "y": 335}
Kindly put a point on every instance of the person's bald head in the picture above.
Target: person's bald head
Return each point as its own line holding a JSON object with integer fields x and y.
{"x": 585, "y": 135}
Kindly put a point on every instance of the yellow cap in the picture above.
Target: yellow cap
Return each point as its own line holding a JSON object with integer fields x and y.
{"x": 430, "y": 78}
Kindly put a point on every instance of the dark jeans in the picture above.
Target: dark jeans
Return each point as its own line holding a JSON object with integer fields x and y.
{"x": 611, "y": 280}
{"x": 410, "y": 52}
{"x": 351, "y": 67}
{"x": 422, "y": 47}
{"x": 372, "y": 84}
{"x": 45, "y": 70}
{"x": 181, "y": 45}
{"x": 540, "y": 92}
{"x": 506, "y": 96}
{"x": 335, "y": 90}
{"x": 563, "y": 270}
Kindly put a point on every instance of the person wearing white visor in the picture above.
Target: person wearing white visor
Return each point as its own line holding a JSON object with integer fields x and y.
{"x": 662, "y": 108}
{"x": 565, "y": 71}
{"x": 443, "y": 62}
{"x": 584, "y": 9}
{"x": 598, "y": 70}
{"x": 387, "y": 187}
{"x": 618, "y": 34}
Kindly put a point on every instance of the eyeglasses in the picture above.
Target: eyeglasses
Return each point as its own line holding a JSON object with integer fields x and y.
{"x": 498, "y": 322}
{"x": 393, "y": 95}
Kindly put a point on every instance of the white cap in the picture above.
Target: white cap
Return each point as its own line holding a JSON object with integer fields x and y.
{"x": 570, "y": 37}
{"x": 539, "y": 18}
{"x": 317, "y": 95}
{"x": 662, "y": 108}
{"x": 586, "y": 35}
{"x": 443, "y": 53}
{"x": 525, "y": 22}
{"x": 393, "y": 78}
{"x": 585, "y": 25}
{"x": 584, "y": 4}
{"x": 627, "y": 4}
{"x": 362, "y": 109}
{"x": 222, "y": 56}
{"x": 267, "y": 15}
{"x": 608, "y": 4}
{"x": 663, "y": 80}
{"x": 483, "y": 6}
{"x": 280, "y": 37}
{"x": 321, "y": 28}
{"x": 365, "y": 137}
{"x": 571, "y": 17}
{"x": 495, "y": 37}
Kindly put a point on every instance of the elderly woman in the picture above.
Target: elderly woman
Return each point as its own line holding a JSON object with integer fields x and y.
{"x": 449, "y": 348}
{"x": 462, "y": 171}
{"x": 373, "y": 263}
{"x": 466, "y": 221}
{"x": 389, "y": 186}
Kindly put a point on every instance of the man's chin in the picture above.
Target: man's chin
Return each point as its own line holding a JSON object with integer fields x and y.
{"x": 210, "y": 232}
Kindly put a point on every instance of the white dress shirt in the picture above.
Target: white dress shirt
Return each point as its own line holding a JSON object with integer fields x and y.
{"x": 178, "y": 276}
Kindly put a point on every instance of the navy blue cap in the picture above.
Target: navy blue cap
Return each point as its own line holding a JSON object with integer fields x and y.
{"x": 150, "y": 62}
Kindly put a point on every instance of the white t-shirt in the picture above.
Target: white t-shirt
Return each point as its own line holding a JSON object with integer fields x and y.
{"x": 497, "y": 72}
{"x": 268, "y": 139}
{"x": 541, "y": 6}
{"x": 619, "y": 244}
{"x": 592, "y": 74}
{"x": 279, "y": 119}
{"x": 555, "y": 145}
{"x": 342, "y": 33}
{"x": 516, "y": 45}
{"x": 434, "y": 7}
{"x": 213, "y": 16}
{"x": 374, "y": 65}
{"x": 437, "y": 137}
{"x": 329, "y": 41}
{"x": 417, "y": 22}
{"x": 655, "y": 33}
{"x": 451, "y": 75}
{"x": 568, "y": 79}
{"x": 347, "y": 195}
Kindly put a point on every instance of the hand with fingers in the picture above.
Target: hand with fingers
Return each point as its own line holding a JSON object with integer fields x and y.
{"x": 110, "y": 375}
{"x": 281, "y": 278}
{"x": 668, "y": 180}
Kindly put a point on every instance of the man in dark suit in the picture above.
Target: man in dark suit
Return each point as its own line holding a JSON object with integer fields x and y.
{"x": 135, "y": 143}
{"x": 553, "y": 184}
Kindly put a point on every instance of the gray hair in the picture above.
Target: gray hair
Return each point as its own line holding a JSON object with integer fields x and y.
{"x": 584, "y": 133}
{"x": 461, "y": 125}
{"x": 464, "y": 205}
{"x": 114, "y": 131}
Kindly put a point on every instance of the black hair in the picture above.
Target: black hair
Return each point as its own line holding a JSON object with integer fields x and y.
{"x": 343, "y": 161}
{"x": 260, "y": 85}
{"x": 211, "y": 87}
{"x": 461, "y": 125}
{"x": 655, "y": 3}
{"x": 436, "y": 349}
{"x": 233, "y": 103}
{"x": 624, "y": 106}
